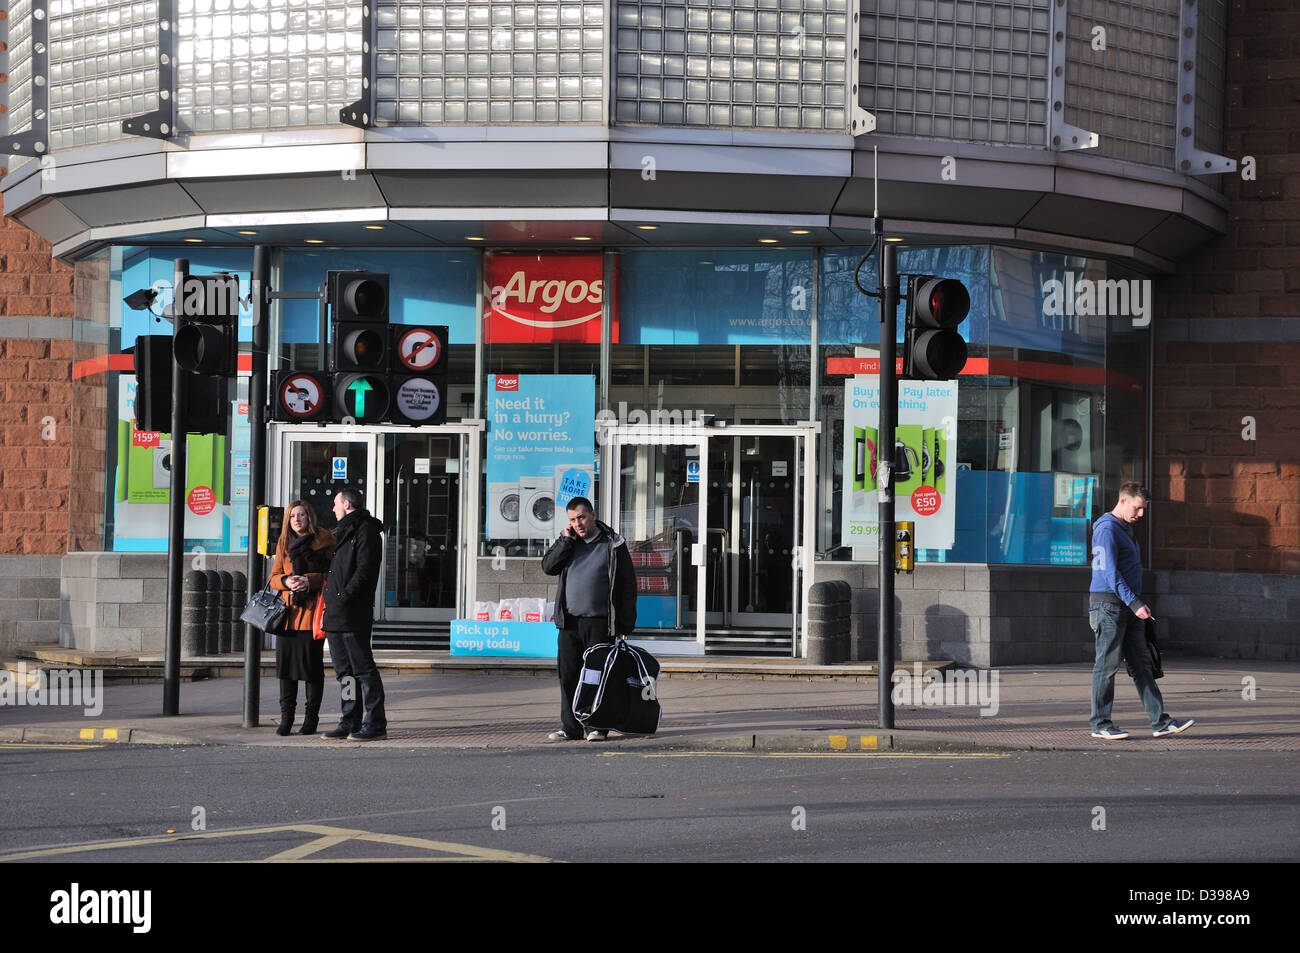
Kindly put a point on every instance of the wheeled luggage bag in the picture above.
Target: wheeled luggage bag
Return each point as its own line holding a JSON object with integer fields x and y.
{"x": 617, "y": 690}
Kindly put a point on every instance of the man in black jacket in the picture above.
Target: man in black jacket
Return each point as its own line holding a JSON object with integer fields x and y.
{"x": 349, "y": 610}
{"x": 595, "y": 601}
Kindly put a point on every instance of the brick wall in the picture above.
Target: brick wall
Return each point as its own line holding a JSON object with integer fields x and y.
{"x": 1228, "y": 334}
{"x": 52, "y": 427}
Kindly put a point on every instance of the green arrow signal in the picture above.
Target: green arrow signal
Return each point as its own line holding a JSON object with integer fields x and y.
{"x": 359, "y": 388}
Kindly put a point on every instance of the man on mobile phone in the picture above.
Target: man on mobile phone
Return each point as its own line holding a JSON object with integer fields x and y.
{"x": 595, "y": 601}
{"x": 1117, "y": 615}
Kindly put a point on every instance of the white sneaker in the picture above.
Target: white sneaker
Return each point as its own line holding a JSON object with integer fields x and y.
{"x": 560, "y": 735}
{"x": 1110, "y": 734}
{"x": 597, "y": 735}
{"x": 1173, "y": 728}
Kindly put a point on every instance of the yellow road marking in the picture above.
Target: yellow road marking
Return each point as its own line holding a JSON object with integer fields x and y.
{"x": 20, "y": 745}
{"x": 109, "y": 734}
{"x": 809, "y": 754}
{"x": 327, "y": 837}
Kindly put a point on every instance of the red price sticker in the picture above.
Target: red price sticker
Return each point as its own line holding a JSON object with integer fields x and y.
{"x": 926, "y": 501}
{"x": 201, "y": 501}
{"x": 145, "y": 438}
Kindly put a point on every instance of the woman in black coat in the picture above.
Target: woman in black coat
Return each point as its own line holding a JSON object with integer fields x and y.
{"x": 302, "y": 560}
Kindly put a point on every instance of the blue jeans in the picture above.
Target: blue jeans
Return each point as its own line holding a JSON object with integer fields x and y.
{"x": 1116, "y": 629}
{"x": 352, "y": 658}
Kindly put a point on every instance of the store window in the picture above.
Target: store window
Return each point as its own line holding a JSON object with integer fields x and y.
{"x": 139, "y": 464}
{"x": 726, "y": 332}
{"x": 1057, "y": 353}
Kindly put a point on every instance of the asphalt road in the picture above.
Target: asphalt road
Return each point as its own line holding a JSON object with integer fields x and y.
{"x": 134, "y": 803}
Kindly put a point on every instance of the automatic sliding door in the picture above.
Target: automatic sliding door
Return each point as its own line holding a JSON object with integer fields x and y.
{"x": 421, "y": 510}
{"x": 660, "y": 508}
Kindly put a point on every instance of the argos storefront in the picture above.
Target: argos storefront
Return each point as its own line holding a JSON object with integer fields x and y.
{"x": 698, "y": 396}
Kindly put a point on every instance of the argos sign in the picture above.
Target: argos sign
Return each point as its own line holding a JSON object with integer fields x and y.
{"x": 544, "y": 298}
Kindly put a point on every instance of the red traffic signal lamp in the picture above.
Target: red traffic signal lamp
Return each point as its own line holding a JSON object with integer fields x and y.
{"x": 932, "y": 348}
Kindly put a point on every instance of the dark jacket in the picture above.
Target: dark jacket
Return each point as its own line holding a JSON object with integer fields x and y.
{"x": 318, "y": 564}
{"x": 622, "y": 579}
{"x": 354, "y": 574}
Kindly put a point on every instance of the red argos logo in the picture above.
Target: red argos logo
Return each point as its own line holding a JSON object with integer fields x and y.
{"x": 544, "y": 298}
{"x": 507, "y": 382}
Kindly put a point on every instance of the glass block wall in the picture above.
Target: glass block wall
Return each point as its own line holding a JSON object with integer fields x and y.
{"x": 1128, "y": 92}
{"x": 103, "y": 68}
{"x": 957, "y": 69}
{"x": 775, "y": 64}
{"x": 1211, "y": 73}
{"x": 257, "y": 64}
{"x": 480, "y": 62}
{"x": 19, "y": 66}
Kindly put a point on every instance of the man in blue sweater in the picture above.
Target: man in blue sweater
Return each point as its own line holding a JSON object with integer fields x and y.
{"x": 1117, "y": 615}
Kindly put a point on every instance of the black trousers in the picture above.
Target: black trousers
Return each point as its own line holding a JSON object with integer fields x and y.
{"x": 583, "y": 632}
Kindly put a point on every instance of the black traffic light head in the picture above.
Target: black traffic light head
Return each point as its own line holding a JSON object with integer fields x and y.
{"x": 153, "y": 383}
{"x": 205, "y": 312}
{"x": 357, "y": 296}
{"x": 932, "y": 348}
{"x": 358, "y": 302}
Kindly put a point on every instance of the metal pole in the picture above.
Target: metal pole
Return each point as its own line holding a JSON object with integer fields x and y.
{"x": 885, "y": 476}
{"x": 176, "y": 505}
{"x": 256, "y": 471}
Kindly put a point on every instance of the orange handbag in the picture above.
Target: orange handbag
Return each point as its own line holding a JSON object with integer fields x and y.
{"x": 318, "y": 617}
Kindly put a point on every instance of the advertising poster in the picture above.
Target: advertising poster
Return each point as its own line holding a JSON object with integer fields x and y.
{"x": 541, "y": 451}
{"x": 923, "y": 477}
{"x": 143, "y": 480}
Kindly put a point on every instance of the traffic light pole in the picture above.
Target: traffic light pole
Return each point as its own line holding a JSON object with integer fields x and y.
{"x": 176, "y": 511}
{"x": 885, "y": 476}
{"x": 261, "y": 307}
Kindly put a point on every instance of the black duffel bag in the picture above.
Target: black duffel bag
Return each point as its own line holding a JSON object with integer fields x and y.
{"x": 617, "y": 690}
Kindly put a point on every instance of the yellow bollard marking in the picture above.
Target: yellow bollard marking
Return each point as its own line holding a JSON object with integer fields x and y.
{"x": 110, "y": 734}
{"x": 868, "y": 742}
{"x": 839, "y": 742}
{"x": 87, "y": 734}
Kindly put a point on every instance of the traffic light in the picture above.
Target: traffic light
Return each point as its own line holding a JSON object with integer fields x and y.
{"x": 153, "y": 383}
{"x": 358, "y": 303}
{"x": 932, "y": 348}
{"x": 206, "y": 315}
{"x": 359, "y": 345}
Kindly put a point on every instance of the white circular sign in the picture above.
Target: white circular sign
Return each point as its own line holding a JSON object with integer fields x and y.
{"x": 418, "y": 399}
{"x": 418, "y": 349}
{"x": 300, "y": 395}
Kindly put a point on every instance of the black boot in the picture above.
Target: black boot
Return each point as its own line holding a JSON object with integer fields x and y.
{"x": 315, "y": 692}
{"x": 288, "y": 704}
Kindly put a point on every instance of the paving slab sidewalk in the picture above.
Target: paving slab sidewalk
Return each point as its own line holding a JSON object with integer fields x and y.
{"x": 1244, "y": 705}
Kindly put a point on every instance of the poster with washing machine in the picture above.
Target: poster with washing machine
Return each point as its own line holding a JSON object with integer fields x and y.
{"x": 923, "y": 449}
{"x": 541, "y": 452}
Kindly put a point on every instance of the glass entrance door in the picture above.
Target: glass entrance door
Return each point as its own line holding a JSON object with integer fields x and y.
{"x": 765, "y": 529}
{"x": 317, "y": 467}
{"x": 717, "y": 519}
{"x": 421, "y": 474}
{"x": 654, "y": 499}
{"x": 419, "y": 482}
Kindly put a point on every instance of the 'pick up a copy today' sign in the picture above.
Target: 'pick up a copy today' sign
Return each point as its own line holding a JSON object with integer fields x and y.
{"x": 518, "y": 639}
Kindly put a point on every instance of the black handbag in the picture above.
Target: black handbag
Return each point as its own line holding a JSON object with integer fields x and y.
{"x": 265, "y": 611}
